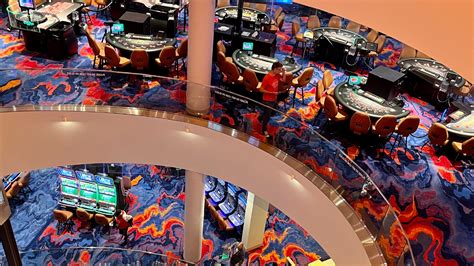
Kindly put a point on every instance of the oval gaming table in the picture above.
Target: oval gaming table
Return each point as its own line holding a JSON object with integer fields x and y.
{"x": 228, "y": 15}
{"x": 358, "y": 100}
{"x": 261, "y": 64}
{"x": 462, "y": 123}
{"x": 128, "y": 42}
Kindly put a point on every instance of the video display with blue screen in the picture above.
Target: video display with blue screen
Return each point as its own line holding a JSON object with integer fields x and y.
{"x": 27, "y": 3}
{"x": 247, "y": 46}
{"x": 66, "y": 172}
{"x": 117, "y": 28}
{"x": 104, "y": 180}
{"x": 85, "y": 176}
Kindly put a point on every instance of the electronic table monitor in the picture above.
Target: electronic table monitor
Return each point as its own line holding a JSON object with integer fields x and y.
{"x": 247, "y": 46}
{"x": 118, "y": 28}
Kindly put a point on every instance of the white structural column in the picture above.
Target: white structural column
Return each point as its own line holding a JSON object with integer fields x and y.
{"x": 256, "y": 214}
{"x": 193, "y": 215}
{"x": 200, "y": 47}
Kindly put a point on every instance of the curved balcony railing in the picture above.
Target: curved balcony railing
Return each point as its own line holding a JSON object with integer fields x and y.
{"x": 47, "y": 87}
{"x": 96, "y": 256}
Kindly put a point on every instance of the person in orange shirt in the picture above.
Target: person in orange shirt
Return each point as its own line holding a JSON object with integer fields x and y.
{"x": 270, "y": 92}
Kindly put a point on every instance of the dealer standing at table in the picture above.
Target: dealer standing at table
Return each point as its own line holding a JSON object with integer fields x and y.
{"x": 270, "y": 92}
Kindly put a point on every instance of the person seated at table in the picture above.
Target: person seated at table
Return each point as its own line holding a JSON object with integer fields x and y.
{"x": 269, "y": 88}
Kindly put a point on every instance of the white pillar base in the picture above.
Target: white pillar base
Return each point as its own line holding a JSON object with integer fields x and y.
{"x": 256, "y": 214}
{"x": 193, "y": 215}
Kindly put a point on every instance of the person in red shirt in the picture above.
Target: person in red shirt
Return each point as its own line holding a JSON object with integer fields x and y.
{"x": 123, "y": 221}
{"x": 269, "y": 88}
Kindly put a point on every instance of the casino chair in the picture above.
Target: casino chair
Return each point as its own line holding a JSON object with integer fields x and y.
{"x": 98, "y": 48}
{"x": 64, "y": 219}
{"x": 103, "y": 221}
{"x": 422, "y": 55}
{"x": 102, "y": 4}
{"x": 407, "y": 52}
{"x": 301, "y": 81}
{"x": 333, "y": 113}
{"x": 405, "y": 128}
{"x": 181, "y": 53}
{"x": 380, "y": 41}
{"x": 353, "y": 26}
{"x": 250, "y": 81}
{"x": 221, "y": 59}
{"x": 24, "y": 182}
{"x": 464, "y": 91}
{"x": 384, "y": 126}
{"x": 84, "y": 216}
{"x": 113, "y": 59}
{"x": 465, "y": 148}
{"x": 437, "y": 135}
{"x": 277, "y": 13}
{"x": 261, "y": 7}
{"x": 372, "y": 35}
{"x": 13, "y": 190}
{"x": 247, "y": 5}
{"x": 167, "y": 57}
{"x": 284, "y": 88}
{"x": 313, "y": 22}
{"x": 223, "y": 3}
{"x": 295, "y": 30}
{"x": 139, "y": 59}
{"x": 221, "y": 47}
{"x": 335, "y": 22}
{"x": 327, "y": 82}
{"x": 232, "y": 73}
{"x": 360, "y": 123}
{"x": 279, "y": 24}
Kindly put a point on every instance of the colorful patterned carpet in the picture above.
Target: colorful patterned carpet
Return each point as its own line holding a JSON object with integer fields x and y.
{"x": 157, "y": 206}
{"x": 432, "y": 194}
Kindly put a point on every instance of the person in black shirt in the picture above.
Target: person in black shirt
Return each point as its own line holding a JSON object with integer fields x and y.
{"x": 238, "y": 255}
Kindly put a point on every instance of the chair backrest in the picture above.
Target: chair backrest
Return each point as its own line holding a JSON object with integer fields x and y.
{"x": 319, "y": 90}
{"x": 407, "y": 52}
{"x": 60, "y": 215}
{"x": 167, "y": 56}
{"x": 408, "y": 125}
{"x": 139, "y": 59}
{"x": 101, "y": 219}
{"x": 87, "y": 2}
{"x": 277, "y": 12}
{"x": 353, "y": 26}
{"x": 360, "y": 123}
{"x": 247, "y": 4}
{"x": 24, "y": 180}
{"x": 422, "y": 55}
{"x": 313, "y": 22}
{"x": 380, "y": 41}
{"x": 127, "y": 183}
{"x": 372, "y": 35}
{"x": 250, "y": 79}
{"x": 221, "y": 47}
{"x": 280, "y": 20}
{"x": 83, "y": 215}
{"x": 223, "y": 3}
{"x": 113, "y": 59}
{"x": 92, "y": 43}
{"x": 286, "y": 83}
{"x": 295, "y": 27}
{"x": 335, "y": 22}
{"x": 468, "y": 147}
{"x": 305, "y": 77}
{"x": 14, "y": 189}
{"x": 261, "y": 7}
{"x": 327, "y": 79}
{"x": 385, "y": 125}
{"x": 438, "y": 134}
{"x": 182, "y": 50}
{"x": 220, "y": 60}
{"x": 330, "y": 107}
{"x": 231, "y": 71}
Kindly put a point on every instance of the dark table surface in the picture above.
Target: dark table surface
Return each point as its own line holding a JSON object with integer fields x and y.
{"x": 248, "y": 14}
{"x": 357, "y": 100}
{"x": 261, "y": 64}
{"x": 126, "y": 43}
{"x": 431, "y": 71}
